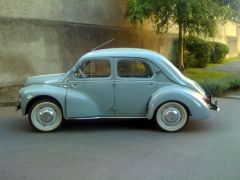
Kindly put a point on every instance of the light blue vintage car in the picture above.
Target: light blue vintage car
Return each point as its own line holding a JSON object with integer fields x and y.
{"x": 115, "y": 83}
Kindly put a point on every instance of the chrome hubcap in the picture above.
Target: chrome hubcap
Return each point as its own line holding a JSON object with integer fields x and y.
{"x": 171, "y": 116}
{"x": 46, "y": 116}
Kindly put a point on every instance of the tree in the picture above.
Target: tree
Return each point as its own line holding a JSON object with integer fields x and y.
{"x": 195, "y": 17}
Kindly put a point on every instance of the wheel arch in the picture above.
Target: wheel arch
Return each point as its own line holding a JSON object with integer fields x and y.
{"x": 179, "y": 102}
{"x": 192, "y": 101}
{"x": 42, "y": 97}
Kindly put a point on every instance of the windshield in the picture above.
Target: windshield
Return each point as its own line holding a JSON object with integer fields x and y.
{"x": 73, "y": 69}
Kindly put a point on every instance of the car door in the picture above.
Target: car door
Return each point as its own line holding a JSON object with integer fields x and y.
{"x": 135, "y": 84}
{"x": 91, "y": 92}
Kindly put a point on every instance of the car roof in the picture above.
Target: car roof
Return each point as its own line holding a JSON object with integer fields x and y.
{"x": 123, "y": 52}
{"x": 163, "y": 63}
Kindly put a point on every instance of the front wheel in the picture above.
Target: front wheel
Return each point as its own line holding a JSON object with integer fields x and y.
{"x": 45, "y": 116}
{"x": 171, "y": 117}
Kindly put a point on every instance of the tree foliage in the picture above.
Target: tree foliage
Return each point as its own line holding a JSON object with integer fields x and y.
{"x": 195, "y": 17}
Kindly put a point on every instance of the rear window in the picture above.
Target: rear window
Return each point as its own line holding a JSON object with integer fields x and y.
{"x": 133, "y": 68}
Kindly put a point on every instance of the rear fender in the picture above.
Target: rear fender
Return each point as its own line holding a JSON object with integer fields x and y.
{"x": 193, "y": 101}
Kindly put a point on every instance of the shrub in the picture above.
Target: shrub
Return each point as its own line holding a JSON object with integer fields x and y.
{"x": 217, "y": 87}
{"x": 219, "y": 52}
{"x": 215, "y": 83}
{"x": 197, "y": 52}
{"x": 189, "y": 59}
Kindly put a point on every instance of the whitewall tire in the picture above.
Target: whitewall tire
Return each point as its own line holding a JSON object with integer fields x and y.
{"x": 45, "y": 116}
{"x": 171, "y": 117}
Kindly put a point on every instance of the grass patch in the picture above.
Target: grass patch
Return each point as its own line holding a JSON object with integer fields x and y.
{"x": 201, "y": 74}
{"x": 214, "y": 83}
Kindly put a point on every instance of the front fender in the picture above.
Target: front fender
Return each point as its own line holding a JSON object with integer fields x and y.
{"x": 30, "y": 93}
{"x": 193, "y": 101}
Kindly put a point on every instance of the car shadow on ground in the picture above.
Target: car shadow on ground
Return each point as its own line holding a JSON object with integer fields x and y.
{"x": 125, "y": 124}
{"x": 85, "y": 126}
{"x": 107, "y": 124}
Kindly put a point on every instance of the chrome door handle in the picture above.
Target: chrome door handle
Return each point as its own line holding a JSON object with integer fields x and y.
{"x": 72, "y": 85}
{"x": 151, "y": 85}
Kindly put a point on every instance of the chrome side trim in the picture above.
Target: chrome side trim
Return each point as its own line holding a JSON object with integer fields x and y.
{"x": 89, "y": 118}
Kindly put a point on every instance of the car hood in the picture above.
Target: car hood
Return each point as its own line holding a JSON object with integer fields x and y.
{"x": 45, "y": 79}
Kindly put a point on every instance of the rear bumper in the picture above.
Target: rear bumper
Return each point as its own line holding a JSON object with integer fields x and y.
{"x": 213, "y": 106}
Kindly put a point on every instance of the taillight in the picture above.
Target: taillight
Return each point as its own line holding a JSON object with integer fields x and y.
{"x": 207, "y": 99}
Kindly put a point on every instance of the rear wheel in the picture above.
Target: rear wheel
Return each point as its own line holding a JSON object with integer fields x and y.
{"x": 45, "y": 116}
{"x": 171, "y": 117}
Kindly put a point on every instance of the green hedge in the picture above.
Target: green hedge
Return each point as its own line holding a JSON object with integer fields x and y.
{"x": 217, "y": 87}
{"x": 198, "y": 53}
{"x": 219, "y": 52}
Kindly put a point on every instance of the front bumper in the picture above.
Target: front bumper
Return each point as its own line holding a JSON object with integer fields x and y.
{"x": 18, "y": 106}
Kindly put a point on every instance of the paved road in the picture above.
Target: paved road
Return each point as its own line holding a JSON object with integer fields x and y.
{"x": 127, "y": 149}
{"x": 229, "y": 67}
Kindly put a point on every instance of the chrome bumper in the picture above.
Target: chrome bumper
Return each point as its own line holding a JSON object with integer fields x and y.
{"x": 18, "y": 106}
{"x": 213, "y": 106}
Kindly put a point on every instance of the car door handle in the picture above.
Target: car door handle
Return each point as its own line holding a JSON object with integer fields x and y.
{"x": 72, "y": 85}
{"x": 151, "y": 85}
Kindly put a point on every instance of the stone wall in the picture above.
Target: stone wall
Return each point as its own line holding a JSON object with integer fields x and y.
{"x": 228, "y": 34}
{"x": 95, "y": 12}
{"x": 31, "y": 47}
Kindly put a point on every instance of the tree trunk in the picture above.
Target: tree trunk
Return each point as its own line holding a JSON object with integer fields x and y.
{"x": 180, "y": 48}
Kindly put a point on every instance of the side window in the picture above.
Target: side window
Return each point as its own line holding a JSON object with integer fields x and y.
{"x": 94, "y": 69}
{"x": 133, "y": 68}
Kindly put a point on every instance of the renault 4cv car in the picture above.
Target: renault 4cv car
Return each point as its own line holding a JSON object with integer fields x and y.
{"x": 115, "y": 83}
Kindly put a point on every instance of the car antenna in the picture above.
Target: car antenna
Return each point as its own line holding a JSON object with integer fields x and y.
{"x": 103, "y": 44}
